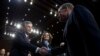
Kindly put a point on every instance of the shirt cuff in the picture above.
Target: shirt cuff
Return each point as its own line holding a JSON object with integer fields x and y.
{"x": 37, "y": 50}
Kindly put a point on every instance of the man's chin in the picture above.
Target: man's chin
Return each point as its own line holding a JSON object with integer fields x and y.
{"x": 62, "y": 19}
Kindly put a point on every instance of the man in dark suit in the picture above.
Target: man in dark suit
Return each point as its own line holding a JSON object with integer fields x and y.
{"x": 81, "y": 32}
{"x": 21, "y": 44}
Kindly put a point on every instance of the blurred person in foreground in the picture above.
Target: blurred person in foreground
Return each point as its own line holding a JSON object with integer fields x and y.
{"x": 81, "y": 33}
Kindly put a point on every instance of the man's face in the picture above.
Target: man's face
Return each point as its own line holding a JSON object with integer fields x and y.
{"x": 28, "y": 28}
{"x": 62, "y": 15}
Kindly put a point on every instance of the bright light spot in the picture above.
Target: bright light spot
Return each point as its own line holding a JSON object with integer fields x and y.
{"x": 31, "y": 3}
{"x": 55, "y": 14}
{"x": 15, "y": 24}
{"x": 8, "y": 34}
{"x": 8, "y": 8}
{"x": 39, "y": 20}
{"x": 13, "y": 35}
{"x": 25, "y": 14}
{"x": 7, "y": 22}
{"x": 11, "y": 23}
{"x": 4, "y": 33}
{"x": 34, "y": 31}
{"x": 6, "y": 17}
{"x": 57, "y": 22}
{"x": 37, "y": 41}
{"x": 25, "y": 1}
{"x": 23, "y": 19}
{"x": 37, "y": 32}
{"x": 40, "y": 32}
{"x": 35, "y": 24}
{"x": 53, "y": 34}
{"x": 51, "y": 12}
{"x": 44, "y": 16}
{"x": 9, "y": 0}
{"x": 52, "y": 25}
{"x": 29, "y": 9}
{"x": 7, "y": 13}
{"x": 64, "y": 54}
{"x": 57, "y": 32}
{"x": 56, "y": 5}
{"x": 8, "y": 53}
{"x": 47, "y": 28}
{"x": 18, "y": 26}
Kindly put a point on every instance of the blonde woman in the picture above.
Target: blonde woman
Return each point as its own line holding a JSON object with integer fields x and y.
{"x": 45, "y": 41}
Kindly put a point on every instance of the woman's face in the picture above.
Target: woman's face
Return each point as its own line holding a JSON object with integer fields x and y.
{"x": 46, "y": 36}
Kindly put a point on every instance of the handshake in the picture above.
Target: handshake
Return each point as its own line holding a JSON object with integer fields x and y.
{"x": 43, "y": 51}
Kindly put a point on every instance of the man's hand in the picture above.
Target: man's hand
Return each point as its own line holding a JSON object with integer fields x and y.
{"x": 43, "y": 51}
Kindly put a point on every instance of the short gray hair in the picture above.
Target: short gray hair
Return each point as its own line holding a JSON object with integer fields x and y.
{"x": 26, "y": 22}
{"x": 66, "y": 5}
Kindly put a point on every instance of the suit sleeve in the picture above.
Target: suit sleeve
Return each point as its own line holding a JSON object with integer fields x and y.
{"x": 89, "y": 29}
{"x": 87, "y": 21}
{"x": 19, "y": 42}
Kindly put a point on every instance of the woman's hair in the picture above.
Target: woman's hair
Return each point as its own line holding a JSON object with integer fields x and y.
{"x": 50, "y": 37}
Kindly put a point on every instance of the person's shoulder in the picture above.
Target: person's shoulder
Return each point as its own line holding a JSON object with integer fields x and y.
{"x": 80, "y": 7}
{"x": 19, "y": 33}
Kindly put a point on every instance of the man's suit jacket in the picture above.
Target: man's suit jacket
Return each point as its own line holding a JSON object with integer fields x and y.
{"x": 21, "y": 46}
{"x": 81, "y": 34}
